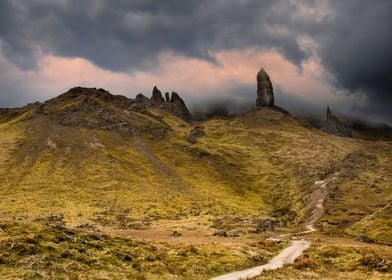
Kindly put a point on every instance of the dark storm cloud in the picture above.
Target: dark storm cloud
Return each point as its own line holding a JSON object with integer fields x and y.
{"x": 354, "y": 36}
{"x": 356, "y": 46}
{"x": 127, "y": 35}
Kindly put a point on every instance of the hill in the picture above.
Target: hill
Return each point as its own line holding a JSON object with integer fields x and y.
{"x": 100, "y": 186}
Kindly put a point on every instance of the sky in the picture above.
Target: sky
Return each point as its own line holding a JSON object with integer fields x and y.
{"x": 318, "y": 53}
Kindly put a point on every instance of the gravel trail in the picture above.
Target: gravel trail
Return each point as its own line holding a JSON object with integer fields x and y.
{"x": 289, "y": 254}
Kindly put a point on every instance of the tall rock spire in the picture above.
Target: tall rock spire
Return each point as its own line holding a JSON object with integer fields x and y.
{"x": 177, "y": 107}
{"x": 265, "y": 93}
{"x": 157, "y": 98}
{"x": 333, "y": 125}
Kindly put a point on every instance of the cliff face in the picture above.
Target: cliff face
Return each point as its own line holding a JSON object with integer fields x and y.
{"x": 334, "y": 126}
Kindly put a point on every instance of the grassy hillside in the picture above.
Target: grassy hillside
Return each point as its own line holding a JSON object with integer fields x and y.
{"x": 87, "y": 193}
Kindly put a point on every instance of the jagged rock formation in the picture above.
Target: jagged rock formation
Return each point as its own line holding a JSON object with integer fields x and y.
{"x": 174, "y": 103}
{"x": 265, "y": 93}
{"x": 177, "y": 107}
{"x": 98, "y": 109}
{"x": 157, "y": 98}
{"x": 333, "y": 126}
{"x": 89, "y": 100}
{"x": 140, "y": 104}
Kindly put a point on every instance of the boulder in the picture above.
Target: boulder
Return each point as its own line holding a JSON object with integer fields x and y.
{"x": 235, "y": 233}
{"x": 264, "y": 226}
{"x": 221, "y": 233}
{"x": 176, "y": 234}
{"x": 364, "y": 239}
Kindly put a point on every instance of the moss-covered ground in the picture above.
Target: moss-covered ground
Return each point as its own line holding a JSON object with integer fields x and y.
{"x": 82, "y": 203}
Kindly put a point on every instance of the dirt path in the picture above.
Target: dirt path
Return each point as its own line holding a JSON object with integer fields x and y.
{"x": 292, "y": 252}
{"x": 286, "y": 256}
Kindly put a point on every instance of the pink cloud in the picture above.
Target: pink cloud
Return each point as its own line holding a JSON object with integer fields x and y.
{"x": 193, "y": 78}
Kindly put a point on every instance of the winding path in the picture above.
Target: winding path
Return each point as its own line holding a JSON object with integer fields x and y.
{"x": 289, "y": 254}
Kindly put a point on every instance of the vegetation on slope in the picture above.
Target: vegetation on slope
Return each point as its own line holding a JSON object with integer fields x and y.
{"x": 116, "y": 178}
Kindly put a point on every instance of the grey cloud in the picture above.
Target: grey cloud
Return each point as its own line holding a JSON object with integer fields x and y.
{"x": 354, "y": 37}
{"x": 356, "y": 46}
{"x": 127, "y": 35}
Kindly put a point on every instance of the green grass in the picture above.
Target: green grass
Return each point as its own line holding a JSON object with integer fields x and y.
{"x": 47, "y": 249}
{"x": 341, "y": 260}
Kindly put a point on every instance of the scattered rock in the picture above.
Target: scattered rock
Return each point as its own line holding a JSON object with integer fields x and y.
{"x": 136, "y": 225}
{"x": 235, "y": 233}
{"x": 195, "y": 133}
{"x": 221, "y": 233}
{"x": 51, "y": 144}
{"x": 265, "y": 93}
{"x": 57, "y": 219}
{"x": 333, "y": 126}
{"x": 264, "y": 226}
{"x": 277, "y": 240}
{"x": 176, "y": 234}
{"x": 95, "y": 145}
{"x": 86, "y": 226}
{"x": 364, "y": 239}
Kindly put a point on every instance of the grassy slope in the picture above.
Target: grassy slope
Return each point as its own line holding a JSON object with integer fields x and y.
{"x": 338, "y": 258}
{"x": 251, "y": 166}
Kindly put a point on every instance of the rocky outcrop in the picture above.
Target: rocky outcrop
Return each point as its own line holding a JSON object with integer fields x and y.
{"x": 333, "y": 125}
{"x": 139, "y": 104}
{"x": 265, "y": 93}
{"x": 140, "y": 98}
{"x": 98, "y": 109}
{"x": 174, "y": 103}
{"x": 157, "y": 98}
{"x": 177, "y": 107}
{"x": 265, "y": 226}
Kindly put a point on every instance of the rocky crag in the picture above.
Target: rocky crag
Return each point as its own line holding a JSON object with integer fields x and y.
{"x": 174, "y": 103}
{"x": 333, "y": 125}
{"x": 99, "y": 109}
{"x": 265, "y": 92}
